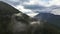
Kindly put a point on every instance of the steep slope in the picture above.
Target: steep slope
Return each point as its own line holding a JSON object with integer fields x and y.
{"x": 6, "y": 13}
{"x": 7, "y": 9}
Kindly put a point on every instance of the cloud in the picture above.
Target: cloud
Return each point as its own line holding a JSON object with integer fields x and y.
{"x": 46, "y": 0}
{"x": 55, "y": 2}
{"x": 11, "y": 2}
{"x": 34, "y": 7}
{"x": 56, "y": 11}
{"x": 39, "y": 2}
{"x": 46, "y": 3}
{"x": 15, "y": 2}
{"x": 26, "y": 11}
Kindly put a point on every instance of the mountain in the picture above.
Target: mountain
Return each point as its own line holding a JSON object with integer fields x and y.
{"x": 44, "y": 16}
{"x": 53, "y": 20}
{"x": 7, "y": 10}
{"x": 8, "y": 15}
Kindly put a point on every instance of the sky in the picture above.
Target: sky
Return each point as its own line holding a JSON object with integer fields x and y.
{"x": 30, "y": 7}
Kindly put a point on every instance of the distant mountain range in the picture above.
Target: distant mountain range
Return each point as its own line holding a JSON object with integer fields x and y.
{"x": 50, "y": 18}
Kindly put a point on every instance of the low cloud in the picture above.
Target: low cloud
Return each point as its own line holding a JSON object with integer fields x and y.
{"x": 34, "y": 7}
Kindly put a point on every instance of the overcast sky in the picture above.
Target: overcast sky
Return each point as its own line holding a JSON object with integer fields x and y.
{"x": 29, "y": 6}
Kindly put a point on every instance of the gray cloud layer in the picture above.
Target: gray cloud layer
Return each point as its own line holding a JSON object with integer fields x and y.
{"x": 15, "y": 2}
{"x": 34, "y": 7}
